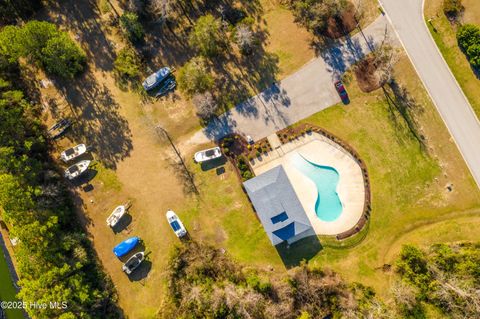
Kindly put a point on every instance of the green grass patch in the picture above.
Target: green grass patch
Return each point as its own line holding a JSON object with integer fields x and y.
{"x": 107, "y": 178}
{"x": 7, "y": 291}
{"x": 444, "y": 35}
{"x": 407, "y": 180}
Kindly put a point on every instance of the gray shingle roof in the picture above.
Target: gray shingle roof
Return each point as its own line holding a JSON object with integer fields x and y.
{"x": 271, "y": 194}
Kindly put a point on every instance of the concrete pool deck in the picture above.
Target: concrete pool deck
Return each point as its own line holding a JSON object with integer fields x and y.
{"x": 322, "y": 151}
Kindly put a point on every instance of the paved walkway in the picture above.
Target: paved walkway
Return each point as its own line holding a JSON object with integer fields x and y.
{"x": 408, "y": 21}
{"x": 306, "y": 92}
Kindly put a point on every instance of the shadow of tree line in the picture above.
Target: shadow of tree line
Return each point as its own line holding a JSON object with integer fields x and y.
{"x": 97, "y": 120}
{"x": 238, "y": 77}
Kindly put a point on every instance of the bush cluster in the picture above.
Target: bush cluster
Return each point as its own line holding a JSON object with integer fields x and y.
{"x": 45, "y": 45}
{"x": 194, "y": 77}
{"x": 468, "y": 37}
{"x": 315, "y": 15}
{"x": 244, "y": 169}
{"x": 452, "y": 8}
{"x": 131, "y": 27}
{"x": 204, "y": 282}
{"x": 446, "y": 276}
{"x": 127, "y": 68}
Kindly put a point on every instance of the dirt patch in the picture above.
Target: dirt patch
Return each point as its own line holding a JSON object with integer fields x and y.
{"x": 367, "y": 76}
{"x": 340, "y": 26}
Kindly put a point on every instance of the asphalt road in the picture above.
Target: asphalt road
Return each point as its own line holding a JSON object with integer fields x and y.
{"x": 457, "y": 113}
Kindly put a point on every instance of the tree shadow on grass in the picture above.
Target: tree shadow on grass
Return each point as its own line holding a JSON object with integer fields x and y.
{"x": 304, "y": 249}
{"x": 400, "y": 102}
{"x": 99, "y": 122}
{"x": 82, "y": 17}
{"x": 184, "y": 176}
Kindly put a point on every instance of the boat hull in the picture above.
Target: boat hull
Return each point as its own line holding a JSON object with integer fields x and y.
{"x": 125, "y": 246}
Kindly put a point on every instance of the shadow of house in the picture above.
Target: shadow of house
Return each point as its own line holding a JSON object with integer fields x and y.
{"x": 303, "y": 250}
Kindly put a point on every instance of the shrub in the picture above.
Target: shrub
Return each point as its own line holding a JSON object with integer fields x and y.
{"x": 468, "y": 37}
{"x": 244, "y": 169}
{"x": 194, "y": 77}
{"x": 104, "y": 6}
{"x": 247, "y": 175}
{"x": 207, "y": 36}
{"x": 62, "y": 56}
{"x": 131, "y": 27}
{"x": 258, "y": 285}
{"x": 244, "y": 38}
{"x": 206, "y": 105}
{"x": 127, "y": 64}
{"x": 452, "y": 8}
{"x": 45, "y": 45}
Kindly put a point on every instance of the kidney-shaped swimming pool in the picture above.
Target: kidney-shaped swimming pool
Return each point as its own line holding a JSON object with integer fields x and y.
{"x": 328, "y": 206}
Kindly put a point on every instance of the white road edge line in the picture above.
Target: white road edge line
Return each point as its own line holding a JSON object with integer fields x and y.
{"x": 426, "y": 87}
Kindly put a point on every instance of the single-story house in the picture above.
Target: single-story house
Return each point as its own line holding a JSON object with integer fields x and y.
{"x": 277, "y": 206}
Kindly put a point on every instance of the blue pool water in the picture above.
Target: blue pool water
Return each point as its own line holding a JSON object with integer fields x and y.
{"x": 328, "y": 205}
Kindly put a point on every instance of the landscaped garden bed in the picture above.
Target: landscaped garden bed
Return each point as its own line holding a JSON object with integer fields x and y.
{"x": 241, "y": 153}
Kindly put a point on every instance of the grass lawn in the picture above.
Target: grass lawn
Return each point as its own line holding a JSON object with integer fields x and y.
{"x": 7, "y": 291}
{"x": 409, "y": 200}
{"x": 408, "y": 186}
{"x": 444, "y": 34}
{"x": 290, "y": 42}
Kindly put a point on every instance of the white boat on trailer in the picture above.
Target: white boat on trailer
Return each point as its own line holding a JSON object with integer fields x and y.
{"x": 133, "y": 262}
{"x": 116, "y": 215}
{"x": 73, "y": 152}
{"x": 208, "y": 155}
{"x": 176, "y": 224}
{"x": 77, "y": 169}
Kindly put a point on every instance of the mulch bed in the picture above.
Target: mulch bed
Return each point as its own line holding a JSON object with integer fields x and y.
{"x": 338, "y": 28}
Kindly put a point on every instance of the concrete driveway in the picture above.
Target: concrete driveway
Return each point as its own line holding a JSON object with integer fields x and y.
{"x": 300, "y": 95}
{"x": 408, "y": 21}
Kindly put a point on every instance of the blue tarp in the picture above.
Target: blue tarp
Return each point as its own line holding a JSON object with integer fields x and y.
{"x": 125, "y": 246}
{"x": 286, "y": 232}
